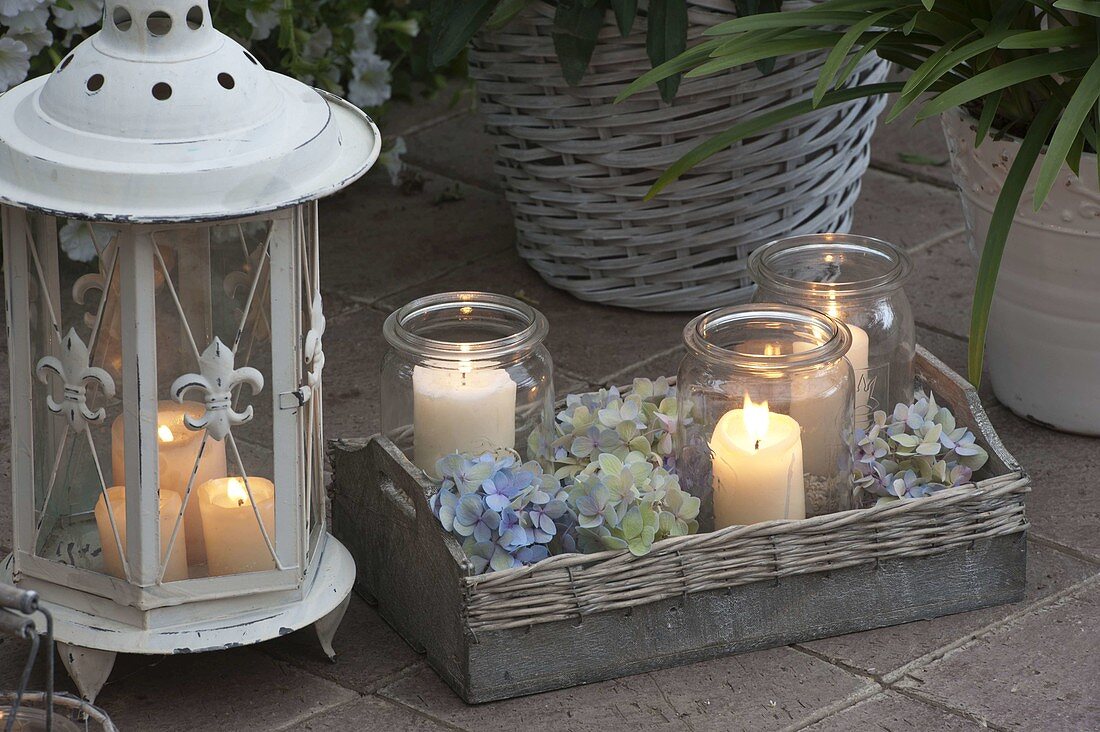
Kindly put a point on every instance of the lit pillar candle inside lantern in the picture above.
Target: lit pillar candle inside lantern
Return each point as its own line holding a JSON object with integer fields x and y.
{"x": 821, "y": 411}
{"x": 169, "y": 510}
{"x": 757, "y": 467}
{"x": 234, "y": 542}
{"x": 178, "y": 448}
{"x": 462, "y": 409}
{"x": 857, "y": 356}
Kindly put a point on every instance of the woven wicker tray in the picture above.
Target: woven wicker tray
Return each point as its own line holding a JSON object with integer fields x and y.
{"x": 574, "y": 619}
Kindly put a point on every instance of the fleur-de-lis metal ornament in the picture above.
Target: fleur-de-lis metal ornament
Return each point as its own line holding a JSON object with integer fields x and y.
{"x": 216, "y": 379}
{"x": 314, "y": 354}
{"x": 74, "y": 369}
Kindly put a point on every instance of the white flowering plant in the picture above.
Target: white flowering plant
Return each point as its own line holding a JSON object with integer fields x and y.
{"x": 368, "y": 51}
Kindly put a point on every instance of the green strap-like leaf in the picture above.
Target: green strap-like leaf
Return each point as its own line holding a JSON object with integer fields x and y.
{"x": 1073, "y": 35}
{"x": 990, "y": 105}
{"x": 505, "y": 12}
{"x": 454, "y": 23}
{"x": 681, "y": 63}
{"x": 999, "y": 226}
{"x": 666, "y": 38}
{"x": 779, "y": 47}
{"x": 576, "y": 28}
{"x": 1006, "y": 75}
{"x": 765, "y": 121}
{"x": 625, "y": 12}
{"x": 840, "y": 51}
{"x": 1069, "y": 127}
{"x": 1087, "y": 7}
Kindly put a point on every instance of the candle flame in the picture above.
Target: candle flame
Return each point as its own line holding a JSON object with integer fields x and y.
{"x": 771, "y": 349}
{"x": 756, "y": 418}
{"x": 164, "y": 432}
{"x": 236, "y": 491}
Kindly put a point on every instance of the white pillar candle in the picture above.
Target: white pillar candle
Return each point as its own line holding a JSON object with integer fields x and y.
{"x": 178, "y": 448}
{"x": 462, "y": 409}
{"x": 818, "y": 405}
{"x": 757, "y": 468}
{"x": 169, "y": 510}
{"x": 234, "y": 542}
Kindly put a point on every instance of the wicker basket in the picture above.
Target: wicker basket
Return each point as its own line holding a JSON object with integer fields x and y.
{"x": 577, "y": 618}
{"x": 575, "y": 166}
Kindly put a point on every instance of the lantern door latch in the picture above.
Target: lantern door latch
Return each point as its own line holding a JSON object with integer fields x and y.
{"x": 290, "y": 400}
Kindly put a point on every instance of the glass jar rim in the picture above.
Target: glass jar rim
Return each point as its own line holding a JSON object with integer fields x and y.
{"x": 697, "y": 336}
{"x": 532, "y": 326}
{"x": 898, "y": 264}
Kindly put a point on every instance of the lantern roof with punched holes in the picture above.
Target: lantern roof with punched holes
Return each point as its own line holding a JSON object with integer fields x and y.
{"x": 160, "y": 118}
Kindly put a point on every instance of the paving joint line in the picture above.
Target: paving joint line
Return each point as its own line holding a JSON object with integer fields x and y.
{"x": 939, "y": 239}
{"x": 856, "y": 697}
{"x": 294, "y": 723}
{"x": 941, "y": 331}
{"x": 421, "y": 167}
{"x": 615, "y": 376}
{"x": 428, "y": 124}
{"x": 420, "y": 713}
{"x": 895, "y": 169}
{"x": 1062, "y": 548}
{"x": 944, "y": 707}
{"x": 961, "y": 643}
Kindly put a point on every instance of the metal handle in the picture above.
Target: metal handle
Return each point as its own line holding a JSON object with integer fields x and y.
{"x": 12, "y": 598}
{"x": 17, "y": 626}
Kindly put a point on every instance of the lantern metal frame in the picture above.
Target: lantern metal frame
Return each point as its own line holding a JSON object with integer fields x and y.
{"x": 152, "y": 169}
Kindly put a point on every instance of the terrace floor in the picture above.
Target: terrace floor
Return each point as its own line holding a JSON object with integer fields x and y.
{"x": 1032, "y": 665}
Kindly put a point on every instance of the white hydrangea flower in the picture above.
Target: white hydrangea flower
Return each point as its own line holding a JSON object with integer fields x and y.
{"x": 15, "y": 62}
{"x": 366, "y": 32}
{"x": 32, "y": 19}
{"x": 370, "y": 85}
{"x": 77, "y": 242}
{"x": 12, "y": 8}
{"x": 262, "y": 23}
{"x": 318, "y": 44}
{"x": 391, "y": 159}
{"x": 83, "y": 14}
{"x": 34, "y": 40}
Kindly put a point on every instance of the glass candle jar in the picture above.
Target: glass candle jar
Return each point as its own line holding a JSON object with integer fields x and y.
{"x": 466, "y": 372}
{"x": 857, "y": 280}
{"x": 766, "y": 414}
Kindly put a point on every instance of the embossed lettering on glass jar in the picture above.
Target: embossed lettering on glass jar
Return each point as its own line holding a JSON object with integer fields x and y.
{"x": 765, "y": 414}
{"x": 465, "y": 372}
{"x": 857, "y": 280}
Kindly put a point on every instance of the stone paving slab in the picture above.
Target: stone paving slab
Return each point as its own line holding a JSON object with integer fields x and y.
{"x": 241, "y": 689}
{"x": 942, "y": 287}
{"x": 916, "y": 150}
{"x": 369, "y": 652}
{"x": 1037, "y": 672}
{"x": 763, "y": 690}
{"x": 369, "y": 713}
{"x": 377, "y": 239}
{"x": 1064, "y": 505}
{"x": 882, "y": 650}
{"x": 905, "y": 212}
{"x": 459, "y": 148}
{"x": 894, "y": 712}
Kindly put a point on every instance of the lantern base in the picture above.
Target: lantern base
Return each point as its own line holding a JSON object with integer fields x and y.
{"x": 94, "y": 639}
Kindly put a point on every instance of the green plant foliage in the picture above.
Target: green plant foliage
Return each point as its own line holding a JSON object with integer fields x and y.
{"x": 1023, "y": 68}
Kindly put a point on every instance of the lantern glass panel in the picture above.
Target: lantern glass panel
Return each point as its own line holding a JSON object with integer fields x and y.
{"x": 238, "y": 442}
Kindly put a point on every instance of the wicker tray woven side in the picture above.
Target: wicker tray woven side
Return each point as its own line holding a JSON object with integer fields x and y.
{"x": 783, "y": 581}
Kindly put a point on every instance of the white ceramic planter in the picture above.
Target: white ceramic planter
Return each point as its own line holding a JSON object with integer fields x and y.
{"x": 1043, "y": 346}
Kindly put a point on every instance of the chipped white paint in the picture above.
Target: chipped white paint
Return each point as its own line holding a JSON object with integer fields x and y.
{"x": 164, "y": 126}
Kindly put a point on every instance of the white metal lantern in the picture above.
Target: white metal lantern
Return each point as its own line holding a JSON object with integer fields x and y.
{"x": 166, "y": 410}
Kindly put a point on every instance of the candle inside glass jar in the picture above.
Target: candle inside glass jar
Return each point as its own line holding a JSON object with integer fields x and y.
{"x": 463, "y": 409}
{"x": 178, "y": 449}
{"x": 757, "y": 467}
